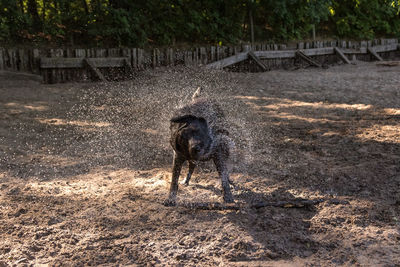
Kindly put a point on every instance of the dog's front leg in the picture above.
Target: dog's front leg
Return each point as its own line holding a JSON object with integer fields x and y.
{"x": 220, "y": 163}
{"x": 192, "y": 165}
{"x": 176, "y": 170}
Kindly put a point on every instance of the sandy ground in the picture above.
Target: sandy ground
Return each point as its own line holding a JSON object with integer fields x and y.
{"x": 84, "y": 168}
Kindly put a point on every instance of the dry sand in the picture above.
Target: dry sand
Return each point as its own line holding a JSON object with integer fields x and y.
{"x": 84, "y": 168}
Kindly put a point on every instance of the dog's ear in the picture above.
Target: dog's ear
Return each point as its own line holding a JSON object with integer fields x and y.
{"x": 184, "y": 119}
{"x": 179, "y": 123}
{"x": 203, "y": 121}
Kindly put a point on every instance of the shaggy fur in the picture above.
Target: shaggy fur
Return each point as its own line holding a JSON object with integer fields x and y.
{"x": 198, "y": 133}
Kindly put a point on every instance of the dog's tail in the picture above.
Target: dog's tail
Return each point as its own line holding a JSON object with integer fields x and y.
{"x": 196, "y": 94}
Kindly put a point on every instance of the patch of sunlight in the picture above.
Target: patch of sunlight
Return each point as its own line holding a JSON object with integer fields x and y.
{"x": 57, "y": 121}
{"x": 331, "y": 11}
{"x": 34, "y": 106}
{"x": 381, "y": 133}
{"x": 150, "y": 131}
{"x": 288, "y": 116}
{"x": 151, "y": 180}
{"x": 100, "y": 182}
{"x": 288, "y": 103}
{"x": 292, "y": 140}
{"x": 392, "y": 111}
{"x": 330, "y": 133}
{"x": 318, "y": 105}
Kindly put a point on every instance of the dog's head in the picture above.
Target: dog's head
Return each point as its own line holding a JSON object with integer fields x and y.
{"x": 190, "y": 136}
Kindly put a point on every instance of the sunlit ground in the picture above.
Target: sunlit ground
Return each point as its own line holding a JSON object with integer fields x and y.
{"x": 84, "y": 169}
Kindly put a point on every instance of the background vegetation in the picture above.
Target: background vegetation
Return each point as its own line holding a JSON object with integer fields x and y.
{"x": 168, "y": 22}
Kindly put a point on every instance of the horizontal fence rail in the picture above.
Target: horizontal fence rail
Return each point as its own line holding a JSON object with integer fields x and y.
{"x": 62, "y": 65}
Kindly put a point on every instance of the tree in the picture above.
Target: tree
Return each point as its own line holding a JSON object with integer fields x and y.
{"x": 33, "y": 13}
{"x": 167, "y": 22}
{"x": 366, "y": 19}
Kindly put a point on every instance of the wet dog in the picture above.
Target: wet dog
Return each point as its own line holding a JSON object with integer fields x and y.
{"x": 198, "y": 133}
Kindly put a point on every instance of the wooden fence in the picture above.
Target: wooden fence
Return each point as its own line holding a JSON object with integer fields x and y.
{"x": 61, "y": 65}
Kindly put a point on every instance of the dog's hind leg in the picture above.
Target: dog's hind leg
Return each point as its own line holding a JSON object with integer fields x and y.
{"x": 220, "y": 163}
{"x": 176, "y": 170}
{"x": 192, "y": 165}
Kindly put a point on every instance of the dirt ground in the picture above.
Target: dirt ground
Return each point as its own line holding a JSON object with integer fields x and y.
{"x": 85, "y": 167}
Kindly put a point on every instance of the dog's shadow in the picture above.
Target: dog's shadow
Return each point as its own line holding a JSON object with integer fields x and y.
{"x": 245, "y": 197}
{"x": 209, "y": 187}
{"x": 265, "y": 224}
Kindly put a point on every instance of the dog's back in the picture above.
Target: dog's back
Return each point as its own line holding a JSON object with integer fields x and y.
{"x": 205, "y": 108}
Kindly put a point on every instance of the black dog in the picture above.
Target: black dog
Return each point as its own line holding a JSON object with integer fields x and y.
{"x": 198, "y": 134}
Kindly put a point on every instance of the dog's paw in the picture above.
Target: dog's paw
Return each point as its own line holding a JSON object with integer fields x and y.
{"x": 185, "y": 182}
{"x": 169, "y": 202}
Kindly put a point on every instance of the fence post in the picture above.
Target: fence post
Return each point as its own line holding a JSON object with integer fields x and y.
{"x": 203, "y": 55}
{"x": 140, "y": 59}
{"x": 1, "y": 58}
{"x": 246, "y": 48}
{"x": 134, "y": 58}
{"x": 156, "y": 58}
{"x": 212, "y": 52}
{"x": 188, "y": 58}
{"x": 23, "y": 59}
{"x": 196, "y": 56}
{"x": 57, "y": 75}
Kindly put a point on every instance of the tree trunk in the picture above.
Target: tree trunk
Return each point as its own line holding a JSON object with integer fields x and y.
{"x": 251, "y": 23}
{"x": 21, "y": 6}
{"x": 313, "y": 32}
{"x": 85, "y": 6}
{"x": 44, "y": 10}
{"x": 33, "y": 12}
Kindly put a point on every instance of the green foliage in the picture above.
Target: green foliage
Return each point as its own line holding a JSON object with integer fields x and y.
{"x": 366, "y": 19}
{"x": 167, "y": 22}
{"x": 12, "y": 21}
{"x": 117, "y": 26}
{"x": 290, "y": 19}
